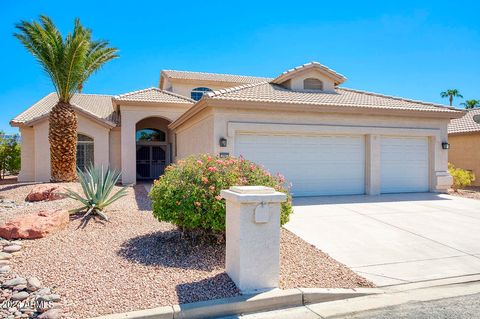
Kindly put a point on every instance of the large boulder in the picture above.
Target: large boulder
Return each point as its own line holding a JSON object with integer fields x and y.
{"x": 45, "y": 192}
{"x": 36, "y": 225}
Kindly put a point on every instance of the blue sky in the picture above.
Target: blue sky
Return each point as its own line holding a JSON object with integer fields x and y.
{"x": 413, "y": 49}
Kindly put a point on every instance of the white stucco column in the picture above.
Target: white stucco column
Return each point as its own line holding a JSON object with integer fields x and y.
{"x": 373, "y": 164}
{"x": 441, "y": 180}
{"x": 253, "y": 236}
{"x": 128, "y": 150}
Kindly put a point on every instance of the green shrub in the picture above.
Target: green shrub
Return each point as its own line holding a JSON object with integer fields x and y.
{"x": 461, "y": 177}
{"x": 188, "y": 194}
{"x": 9, "y": 155}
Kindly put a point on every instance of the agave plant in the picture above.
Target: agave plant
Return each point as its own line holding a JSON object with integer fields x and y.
{"x": 97, "y": 184}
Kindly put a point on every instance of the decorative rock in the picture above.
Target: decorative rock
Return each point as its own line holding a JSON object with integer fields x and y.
{"x": 19, "y": 296}
{"x": 4, "y": 242}
{"x": 33, "y": 284}
{"x": 5, "y": 256}
{"x": 52, "y": 297}
{"x": 51, "y": 314}
{"x": 12, "y": 248}
{"x": 4, "y": 262}
{"x": 44, "y": 291}
{"x": 45, "y": 192}
{"x": 4, "y": 269}
{"x": 19, "y": 287}
{"x": 36, "y": 225}
{"x": 14, "y": 282}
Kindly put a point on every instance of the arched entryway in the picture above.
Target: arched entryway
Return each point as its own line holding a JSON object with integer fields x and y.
{"x": 153, "y": 148}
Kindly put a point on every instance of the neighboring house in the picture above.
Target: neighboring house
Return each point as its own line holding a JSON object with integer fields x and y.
{"x": 464, "y": 139}
{"x": 326, "y": 140}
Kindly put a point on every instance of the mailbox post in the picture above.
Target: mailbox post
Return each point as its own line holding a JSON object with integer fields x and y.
{"x": 253, "y": 236}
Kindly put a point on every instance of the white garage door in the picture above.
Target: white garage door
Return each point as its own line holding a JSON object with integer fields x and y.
{"x": 315, "y": 165}
{"x": 404, "y": 165}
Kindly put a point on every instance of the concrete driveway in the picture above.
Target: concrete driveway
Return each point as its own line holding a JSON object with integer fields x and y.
{"x": 394, "y": 239}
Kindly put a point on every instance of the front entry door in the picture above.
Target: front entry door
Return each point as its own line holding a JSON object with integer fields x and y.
{"x": 151, "y": 161}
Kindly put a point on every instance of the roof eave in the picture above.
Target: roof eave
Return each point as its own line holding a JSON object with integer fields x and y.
{"x": 276, "y": 106}
{"x": 336, "y": 77}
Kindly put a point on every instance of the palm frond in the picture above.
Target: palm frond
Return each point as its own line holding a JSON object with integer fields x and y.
{"x": 68, "y": 61}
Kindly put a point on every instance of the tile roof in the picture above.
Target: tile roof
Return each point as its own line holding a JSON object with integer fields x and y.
{"x": 273, "y": 93}
{"x": 202, "y": 76}
{"x": 465, "y": 124}
{"x": 339, "y": 78}
{"x": 154, "y": 95}
{"x": 99, "y": 106}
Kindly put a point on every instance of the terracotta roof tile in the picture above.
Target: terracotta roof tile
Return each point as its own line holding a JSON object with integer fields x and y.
{"x": 272, "y": 93}
{"x": 339, "y": 78}
{"x": 465, "y": 124}
{"x": 153, "y": 94}
{"x": 97, "y": 105}
{"x": 203, "y": 76}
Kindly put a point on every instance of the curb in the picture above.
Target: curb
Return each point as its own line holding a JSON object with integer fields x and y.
{"x": 246, "y": 303}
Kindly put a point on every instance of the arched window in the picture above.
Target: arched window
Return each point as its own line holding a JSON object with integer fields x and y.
{"x": 312, "y": 84}
{"x": 84, "y": 151}
{"x": 151, "y": 135}
{"x": 197, "y": 93}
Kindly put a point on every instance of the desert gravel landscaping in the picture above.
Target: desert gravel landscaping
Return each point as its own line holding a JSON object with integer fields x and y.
{"x": 472, "y": 192}
{"x": 135, "y": 262}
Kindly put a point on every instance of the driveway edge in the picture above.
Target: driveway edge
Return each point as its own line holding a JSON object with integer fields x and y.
{"x": 247, "y": 303}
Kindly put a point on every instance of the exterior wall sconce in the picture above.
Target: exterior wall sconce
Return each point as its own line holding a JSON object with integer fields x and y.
{"x": 445, "y": 145}
{"x": 223, "y": 142}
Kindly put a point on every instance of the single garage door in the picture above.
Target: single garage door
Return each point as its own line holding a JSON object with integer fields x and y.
{"x": 404, "y": 165}
{"x": 314, "y": 164}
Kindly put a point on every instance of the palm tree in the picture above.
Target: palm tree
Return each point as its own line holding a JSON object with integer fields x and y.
{"x": 470, "y": 104}
{"x": 451, "y": 94}
{"x": 69, "y": 62}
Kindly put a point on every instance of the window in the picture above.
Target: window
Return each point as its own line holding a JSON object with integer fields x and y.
{"x": 151, "y": 134}
{"x": 197, "y": 93}
{"x": 312, "y": 84}
{"x": 84, "y": 151}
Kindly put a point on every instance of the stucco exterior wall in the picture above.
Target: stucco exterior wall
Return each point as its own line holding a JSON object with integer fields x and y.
{"x": 40, "y": 171}
{"x": 131, "y": 115}
{"x": 464, "y": 152}
{"x": 231, "y": 120}
{"x": 115, "y": 149}
{"x": 101, "y": 139}
{"x": 42, "y": 152}
{"x": 197, "y": 137}
{"x": 27, "y": 171}
{"x": 186, "y": 88}
{"x": 296, "y": 83}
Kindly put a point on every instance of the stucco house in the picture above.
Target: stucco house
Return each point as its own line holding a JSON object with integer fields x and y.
{"x": 325, "y": 139}
{"x": 464, "y": 139}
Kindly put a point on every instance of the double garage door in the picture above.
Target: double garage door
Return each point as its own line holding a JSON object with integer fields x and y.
{"x": 335, "y": 164}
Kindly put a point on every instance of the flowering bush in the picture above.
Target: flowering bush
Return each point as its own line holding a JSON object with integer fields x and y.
{"x": 188, "y": 194}
{"x": 461, "y": 177}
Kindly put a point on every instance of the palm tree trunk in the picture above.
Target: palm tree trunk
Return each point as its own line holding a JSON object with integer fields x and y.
{"x": 62, "y": 136}
{"x": 451, "y": 100}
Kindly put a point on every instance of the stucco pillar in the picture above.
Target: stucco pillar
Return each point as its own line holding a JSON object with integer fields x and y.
{"x": 373, "y": 164}
{"x": 101, "y": 149}
{"x": 128, "y": 151}
{"x": 441, "y": 180}
{"x": 253, "y": 236}
{"x": 27, "y": 170}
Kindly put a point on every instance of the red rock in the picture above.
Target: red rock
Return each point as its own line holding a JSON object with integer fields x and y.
{"x": 36, "y": 225}
{"x": 45, "y": 192}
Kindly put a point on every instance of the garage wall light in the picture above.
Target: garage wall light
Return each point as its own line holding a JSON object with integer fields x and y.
{"x": 223, "y": 142}
{"x": 445, "y": 145}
